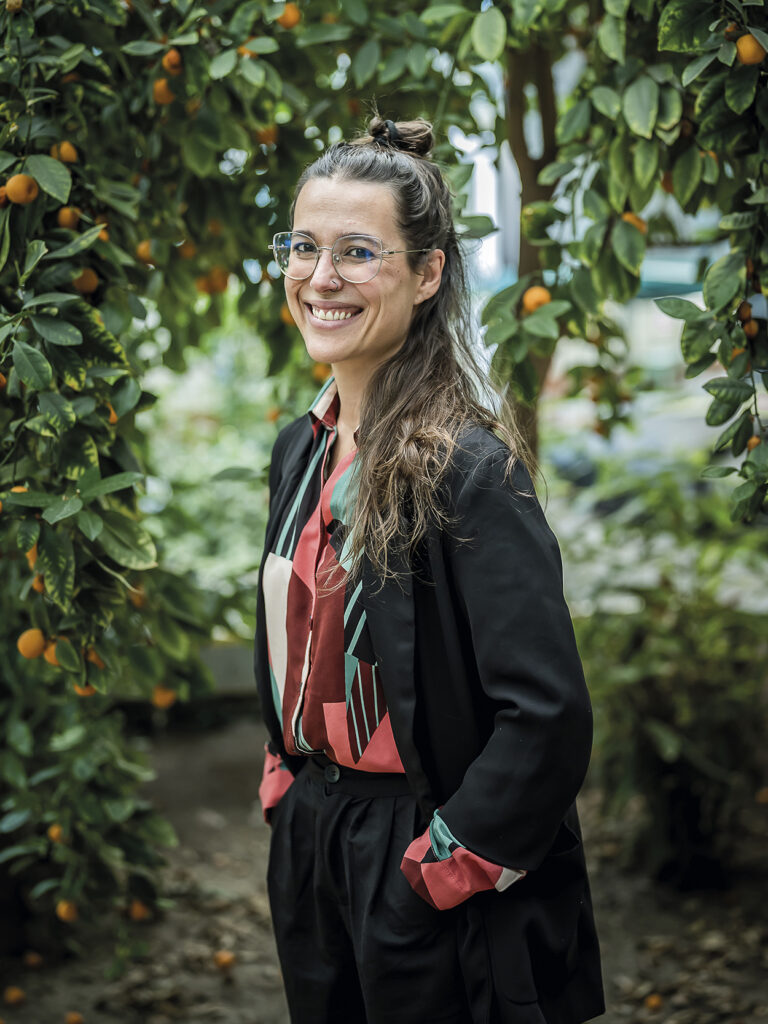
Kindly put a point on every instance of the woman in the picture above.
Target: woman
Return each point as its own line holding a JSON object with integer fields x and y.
{"x": 429, "y": 721}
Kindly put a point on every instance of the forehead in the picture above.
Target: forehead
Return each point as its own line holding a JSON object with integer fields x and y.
{"x": 329, "y": 207}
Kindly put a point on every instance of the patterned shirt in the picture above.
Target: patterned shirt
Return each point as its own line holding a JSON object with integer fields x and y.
{"x": 325, "y": 687}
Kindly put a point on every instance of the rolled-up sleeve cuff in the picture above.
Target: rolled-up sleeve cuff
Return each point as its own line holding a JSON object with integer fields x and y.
{"x": 445, "y": 873}
{"x": 275, "y": 781}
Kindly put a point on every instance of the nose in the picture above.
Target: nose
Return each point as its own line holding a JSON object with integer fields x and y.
{"x": 325, "y": 272}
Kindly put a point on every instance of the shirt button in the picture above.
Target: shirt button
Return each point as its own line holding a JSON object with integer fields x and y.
{"x": 332, "y": 773}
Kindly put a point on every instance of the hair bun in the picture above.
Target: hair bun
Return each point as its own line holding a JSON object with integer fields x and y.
{"x": 413, "y": 137}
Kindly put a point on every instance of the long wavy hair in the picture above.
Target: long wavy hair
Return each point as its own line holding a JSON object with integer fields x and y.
{"x": 418, "y": 400}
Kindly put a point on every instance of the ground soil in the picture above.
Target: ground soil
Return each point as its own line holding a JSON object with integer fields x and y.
{"x": 673, "y": 959}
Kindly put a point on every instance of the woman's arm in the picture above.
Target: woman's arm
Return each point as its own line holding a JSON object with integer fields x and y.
{"x": 513, "y": 798}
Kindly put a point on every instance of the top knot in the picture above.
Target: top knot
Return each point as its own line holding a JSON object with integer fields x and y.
{"x": 413, "y": 137}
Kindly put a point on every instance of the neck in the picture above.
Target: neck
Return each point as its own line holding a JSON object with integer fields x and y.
{"x": 350, "y": 382}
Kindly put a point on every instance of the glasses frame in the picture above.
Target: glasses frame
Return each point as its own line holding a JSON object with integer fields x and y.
{"x": 336, "y": 257}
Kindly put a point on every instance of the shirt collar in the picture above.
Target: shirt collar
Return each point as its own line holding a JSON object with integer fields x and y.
{"x": 324, "y": 406}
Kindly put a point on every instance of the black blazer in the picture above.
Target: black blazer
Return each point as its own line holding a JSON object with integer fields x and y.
{"x": 491, "y": 717}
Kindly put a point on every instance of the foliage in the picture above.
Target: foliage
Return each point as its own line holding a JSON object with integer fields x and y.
{"x": 664, "y": 105}
{"x": 666, "y": 597}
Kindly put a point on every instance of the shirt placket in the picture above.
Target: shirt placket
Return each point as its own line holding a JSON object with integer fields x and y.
{"x": 297, "y": 715}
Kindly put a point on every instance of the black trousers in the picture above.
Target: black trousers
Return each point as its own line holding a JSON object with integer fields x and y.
{"x": 356, "y": 944}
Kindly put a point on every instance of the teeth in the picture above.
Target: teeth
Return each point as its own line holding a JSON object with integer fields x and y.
{"x": 331, "y": 314}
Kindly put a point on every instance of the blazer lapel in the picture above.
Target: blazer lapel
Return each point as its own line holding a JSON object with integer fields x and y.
{"x": 391, "y": 623}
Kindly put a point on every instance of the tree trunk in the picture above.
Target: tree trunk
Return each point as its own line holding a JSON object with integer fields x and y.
{"x": 523, "y": 67}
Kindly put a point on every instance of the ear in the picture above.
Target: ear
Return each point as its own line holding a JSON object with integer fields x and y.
{"x": 431, "y": 275}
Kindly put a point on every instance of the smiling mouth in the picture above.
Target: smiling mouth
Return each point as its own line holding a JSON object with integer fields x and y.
{"x": 333, "y": 315}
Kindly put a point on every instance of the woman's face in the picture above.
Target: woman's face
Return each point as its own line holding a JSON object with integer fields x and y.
{"x": 381, "y": 308}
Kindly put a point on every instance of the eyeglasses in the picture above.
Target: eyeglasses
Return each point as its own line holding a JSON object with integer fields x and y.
{"x": 357, "y": 258}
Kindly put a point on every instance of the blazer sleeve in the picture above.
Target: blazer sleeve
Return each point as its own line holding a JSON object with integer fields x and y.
{"x": 508, "y": 578}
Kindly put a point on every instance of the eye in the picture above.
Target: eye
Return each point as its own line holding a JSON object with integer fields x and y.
{"x": 359, "y": 253}
{"x": 303, "y": 248}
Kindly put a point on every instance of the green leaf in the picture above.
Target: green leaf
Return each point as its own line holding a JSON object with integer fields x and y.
{"x": 313, "y": 35}
{"x": 19, "y": 736}
{"x": 740, "y": 87}
{"x": 356, "y": 11}
{"x": 729, "y": 390}
{"x": 262, "y": 45}
{"x": 441, "y": 12}
{"x": 126, "y": 542}
{"x": 554, "y": 172}
{"x": 684, "y": 26}
{"x": 394, "y": 66}
{"x": 606, "y": 100}
{"x": 142, "y": 48}
{"x": 12, "y": 770}
{"x": 57, "y": 410}
{"x": 36, "y": 249}
{"x": 365, "y": 62}
{"x": 90, "y": 523}
{"x": 156, "y": 830}
{"x": 198, "y": 155}
{"x": 32, "y": 366}
{"x": 629, "y": 245}
{"x": 574, "y": 123}
{"x": 645, "y": 161}
{"x": 738, "y": 221}
{"x": 51, "y": 175}
{"x": 696, "y": 340}
{"x": 668, "y": 742}
{"x": 489, "y": 33}
{"x": 723, "y": 280}
{"x": 713, "y": 472}
{"x": 62, "y": 508}
{"x": 612, "y": 37}
{"x": 694, "y": 69}
{"x": 56, "y": 560}
{"x": 49, "y": 299}
{"x": 640, "y": 105}
{"x": 731, "y": 433}
{"x": 252, "y": 72}
{"x": 670, "y": 108}
{"x": 686, "y": 174}
{"x": 77, "y": 245}
{"x": 77, "y": 453}
{"x": 223, "y": 63}
{"x": 57, "y": 331}
{"x": 681, "y": 309}
{"x": 418, "y": 60}
{"x": 116, "y": 482}
{"x": 68, "y": 656}
{"x": 67, "y": 739}
{"x": 15, "y": 819}
{"x": 119, "y": 808}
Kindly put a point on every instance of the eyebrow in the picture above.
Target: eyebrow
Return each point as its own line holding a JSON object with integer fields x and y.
{"x": 367, "y": 234}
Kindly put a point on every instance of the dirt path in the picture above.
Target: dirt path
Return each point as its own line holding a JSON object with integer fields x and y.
{"x": 673, "y": 960}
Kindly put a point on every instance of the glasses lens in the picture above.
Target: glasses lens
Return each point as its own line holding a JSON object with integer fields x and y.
{"x": 358, "y": 257}
{"x": 295, "y": 254}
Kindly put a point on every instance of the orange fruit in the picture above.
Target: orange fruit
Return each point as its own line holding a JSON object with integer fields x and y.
{"x": 64, "y": 151}
{"x": 18, "y": 489}
{"x": 161, "y": 92}
{"x": 215, "y": 226}
{"x": 321, "y": 372}
{"x": 66, "y": 910}
{"x": 68, "y": 216}
{"x": 751, "y": 327}
{"x": 737, "y": 352}
{"x": 87, "y": 281}
{"x": 653, "y": 1001}
{"x": 3, "y": 195}
{"x": 666, "y": 182}
{"x": 31, "y": 643}
{"x": 103, "y": 235}
{"x": 137, "y": 597}
{"x": 730, "y": 29}
{"x": 753, "y": 442}
{"x": 224, "y": 959}
{"x": 94, "y": 658}
{"x": 163, "y": 696}
{"x": 32, "y": 959}
{"x": 744, "y": 312}
{"x": 218, "y": 278}
{"x": 74, "y": 1017}
{"x": 272, "y": 415}
{"x": 202, "y": 284}
{"x": 56, "y": 833}
{"x": 534, "y": 297}
{"x": 267, "y": 136}
{"x": 187, "y": 250}
{"x": 3, "y": 381}
{"x": 286, "y": 316}
{"x": 144, "y": 250}
{"x": 193, "y": 105}
{"x": 290, "y": 17}
{"x": 112, "y": 413}
{"x": 639, "y": 223}
{"x": 13, "y": 995}
{"x": 32, "y": 556}
{"x": 50, "y": 653}
{"x": 748, "y": 50}
{"x": 243, "y": 48}
{"x": 172, "y": 62}
{"x": 71, "y": 77}
{"x": 21, "y": 189}
{"x": 84, "y": 691}
{"x": 138, "y": 911}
